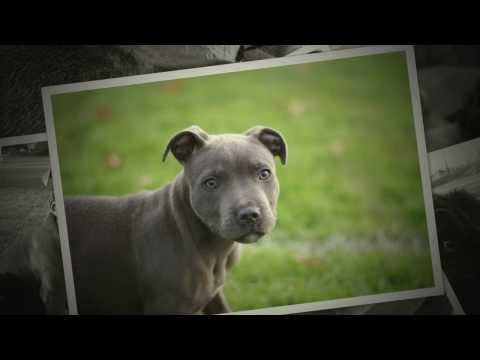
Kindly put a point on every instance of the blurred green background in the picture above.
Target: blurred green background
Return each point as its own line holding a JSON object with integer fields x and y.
{"x": 351, "y": 217}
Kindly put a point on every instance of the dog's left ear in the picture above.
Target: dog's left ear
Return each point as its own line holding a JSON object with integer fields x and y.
{"x": 272, "y": 139}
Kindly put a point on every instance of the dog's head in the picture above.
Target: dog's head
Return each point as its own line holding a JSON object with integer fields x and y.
{"x": 233, "y": 185}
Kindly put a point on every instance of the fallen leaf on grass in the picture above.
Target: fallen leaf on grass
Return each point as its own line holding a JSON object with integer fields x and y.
{"x": 296, "y": 107}
{"x": 113, "y": 161}
{"x": 103, "y": 113}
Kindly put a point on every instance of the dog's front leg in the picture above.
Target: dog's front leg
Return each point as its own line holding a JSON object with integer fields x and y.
{"x": 218, "y": 305}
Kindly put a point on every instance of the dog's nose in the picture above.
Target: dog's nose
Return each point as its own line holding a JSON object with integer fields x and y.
{"x": 249, "y": 215}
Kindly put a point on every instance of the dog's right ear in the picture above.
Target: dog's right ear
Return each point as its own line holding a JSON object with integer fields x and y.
{"x": 272, "y": 139}
{"x": 184, "y": 143}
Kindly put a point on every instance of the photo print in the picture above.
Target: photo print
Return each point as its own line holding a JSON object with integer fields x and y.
{"x": 271, "y": 186}
{"x": 455, "y": 174}
{"x": 449, "y": 81}
{"x": 31, "y": 270}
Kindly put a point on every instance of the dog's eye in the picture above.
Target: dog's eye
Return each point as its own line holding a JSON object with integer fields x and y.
{"x": 210, "y": 183}
{"x": 264, "y": 174}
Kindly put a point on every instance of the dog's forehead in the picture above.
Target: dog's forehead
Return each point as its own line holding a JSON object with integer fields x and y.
{"x": 232, "y": 150}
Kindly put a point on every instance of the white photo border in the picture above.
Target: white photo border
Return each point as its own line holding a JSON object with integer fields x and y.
{"x": 436, "y": 290}
{"x": 452, "y": 297}
{"x": 24, "y": 139}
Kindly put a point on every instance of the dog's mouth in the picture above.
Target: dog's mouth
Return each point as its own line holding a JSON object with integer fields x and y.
{"x": 233, "y": 230}
{"x": 251, "y": 237}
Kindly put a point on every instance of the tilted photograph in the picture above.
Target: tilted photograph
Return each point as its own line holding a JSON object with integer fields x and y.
{"x": 273, "y": 186}
{"x": 455, "y": 173}
{"x": 31, "y": 270}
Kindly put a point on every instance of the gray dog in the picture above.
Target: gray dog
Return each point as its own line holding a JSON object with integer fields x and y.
{"x": 167, "y": 251}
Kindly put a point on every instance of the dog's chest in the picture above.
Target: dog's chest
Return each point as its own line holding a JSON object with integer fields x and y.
{"x": 202, "y": 283}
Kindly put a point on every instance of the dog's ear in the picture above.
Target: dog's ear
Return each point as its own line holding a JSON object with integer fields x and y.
{"x": 272, "y": 139}
{"x": 183, "y": 144}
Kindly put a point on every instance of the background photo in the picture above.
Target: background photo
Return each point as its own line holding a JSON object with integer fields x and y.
{"x": 351, "y": 216}
{"x": 31, "y": 271}
{"x": 455, "y": 176}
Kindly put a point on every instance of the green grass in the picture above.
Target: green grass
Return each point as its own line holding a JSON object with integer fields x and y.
{"x": 273, "y": 275}
{"x": 352, "y": 170}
